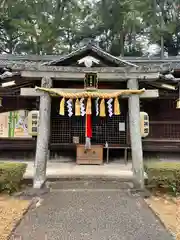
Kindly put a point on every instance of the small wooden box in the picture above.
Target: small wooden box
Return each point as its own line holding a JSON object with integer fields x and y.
{"x": 89, "y": 156}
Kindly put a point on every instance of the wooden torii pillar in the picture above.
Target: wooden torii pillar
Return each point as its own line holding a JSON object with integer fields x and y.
{"x": 43, "y": 135}
{"x": 135, "y": 135}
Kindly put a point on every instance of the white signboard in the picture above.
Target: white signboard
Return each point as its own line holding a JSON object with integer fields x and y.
{"x": 4, "y": 126}
{"x": 122, "y": 127}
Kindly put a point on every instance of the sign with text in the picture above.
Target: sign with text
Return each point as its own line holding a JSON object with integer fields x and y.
{"x": 14, "y": 124}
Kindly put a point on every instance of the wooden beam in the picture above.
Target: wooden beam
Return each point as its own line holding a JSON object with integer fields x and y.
{"x": 135, "y": 135}
{"x": 43, "y": 136}
{"x": 129, "y": 69}
{"x": 31, "y": 92}
{"x": 64, "y": 75}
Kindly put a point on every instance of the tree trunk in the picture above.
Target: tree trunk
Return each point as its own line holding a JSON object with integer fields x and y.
{"x": 121, "y": 40}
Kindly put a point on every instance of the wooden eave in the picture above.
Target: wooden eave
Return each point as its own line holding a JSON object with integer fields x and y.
{"x": 109, "y": 74}
{"x": 14, "y": 90}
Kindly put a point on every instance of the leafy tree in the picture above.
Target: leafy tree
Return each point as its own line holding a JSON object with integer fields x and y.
{"x": 162, "y": 19}
{"x": 118, "y": 26}
{"x": 10, "y": 12}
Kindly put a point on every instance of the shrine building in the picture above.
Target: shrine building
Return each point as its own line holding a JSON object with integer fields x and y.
{"x": 88, "y": 103}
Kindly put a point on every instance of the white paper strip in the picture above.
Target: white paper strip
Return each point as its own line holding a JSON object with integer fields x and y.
{"x": 110, "y": 110}
{"x": 97, "y": 106}
{"x": 82, "y": 107}
{"x": 69, "y": 106}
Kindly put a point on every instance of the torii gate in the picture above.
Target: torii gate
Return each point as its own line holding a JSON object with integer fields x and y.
{"x": 132, "y": 75}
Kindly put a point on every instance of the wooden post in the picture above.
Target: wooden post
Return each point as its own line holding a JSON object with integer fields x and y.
{"x": 135, "y": 135}
{"x": 43, "y": 135}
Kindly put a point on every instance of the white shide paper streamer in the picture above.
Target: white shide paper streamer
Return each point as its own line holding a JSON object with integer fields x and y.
{"x": 82, "y": 107}
{"x": 97, "y": 106}
{"x": 69, "y": 106}
{"x": 110, "y": 110}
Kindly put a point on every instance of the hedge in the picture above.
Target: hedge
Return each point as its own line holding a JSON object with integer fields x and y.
{"x": 11, "y": 175}
{"x": 164, "y": 175}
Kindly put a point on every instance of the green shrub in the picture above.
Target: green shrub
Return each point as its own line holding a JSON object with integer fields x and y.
{"x": 164, "y": 175}
{"x": 11, "y": 175}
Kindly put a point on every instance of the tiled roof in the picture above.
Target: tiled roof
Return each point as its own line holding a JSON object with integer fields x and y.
{"x": 175, "y": 63}
{"x": 31, "y": 60}
{"x": 9, "y": 63}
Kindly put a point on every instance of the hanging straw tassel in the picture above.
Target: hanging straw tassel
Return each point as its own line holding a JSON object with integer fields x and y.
{"x": 116, "y": 107}
{"x": 77, "y": 108}
{"x": 61, "y": 108}
{"x": 88, "y": 106}
{"x": 102, "y": 108}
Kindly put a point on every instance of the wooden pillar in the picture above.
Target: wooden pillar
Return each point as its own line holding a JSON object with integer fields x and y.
{"x": 43, "y": 135}
{"x": 135, "y": 134}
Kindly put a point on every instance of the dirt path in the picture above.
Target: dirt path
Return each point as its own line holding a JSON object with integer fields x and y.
{"x": 11, "y": 210}
{"x": 166, "y": 209}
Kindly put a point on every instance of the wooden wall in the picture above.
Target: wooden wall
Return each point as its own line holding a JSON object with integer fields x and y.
{"x": 164, "y": 118}
{"x": 164, "y": 125}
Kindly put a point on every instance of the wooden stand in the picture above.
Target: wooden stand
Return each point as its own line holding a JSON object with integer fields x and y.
{"x": 89, "y": 156}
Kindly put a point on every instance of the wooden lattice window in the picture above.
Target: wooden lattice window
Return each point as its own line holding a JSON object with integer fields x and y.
{"x": 64, "y": 128}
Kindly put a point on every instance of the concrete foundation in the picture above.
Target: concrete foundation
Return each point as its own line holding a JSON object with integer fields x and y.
{"x": 56, "y": 170}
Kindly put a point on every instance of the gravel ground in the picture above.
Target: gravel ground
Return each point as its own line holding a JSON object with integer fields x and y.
{"x": 91, "y": 214}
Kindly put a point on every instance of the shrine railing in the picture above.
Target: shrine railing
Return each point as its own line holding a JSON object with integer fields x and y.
{"x": 165, "y": 130}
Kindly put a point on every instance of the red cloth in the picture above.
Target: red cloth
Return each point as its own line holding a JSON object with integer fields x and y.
{"x": 88, "y": 126}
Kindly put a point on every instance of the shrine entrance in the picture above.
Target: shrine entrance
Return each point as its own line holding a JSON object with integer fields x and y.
{"x": 110, "y": 131}
{"x": 69, "y": 130}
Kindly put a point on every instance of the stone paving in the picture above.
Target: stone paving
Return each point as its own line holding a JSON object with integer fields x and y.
{"x": 87, "y": 210}
{"x": 56, "y": 170}
{"x": 64, "y": 170}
